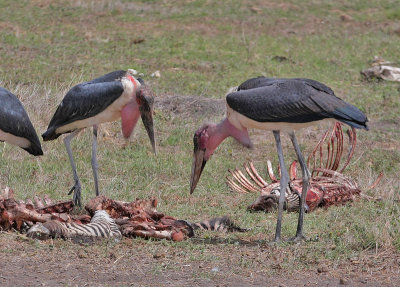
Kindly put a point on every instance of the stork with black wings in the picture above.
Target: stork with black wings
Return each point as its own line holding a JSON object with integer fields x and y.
{"x": 15, "y": 126}
{"x": 105, "y": 99}
{"x": 276, "y": 105}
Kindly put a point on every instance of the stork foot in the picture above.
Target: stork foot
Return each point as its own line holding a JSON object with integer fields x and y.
{"x": 306, "y": 208}
{"x": 277, "y": 240}
{"x": 298, "y": 238}
{"x": 77, "y": 193}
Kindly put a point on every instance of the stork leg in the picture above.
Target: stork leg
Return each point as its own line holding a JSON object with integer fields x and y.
{"x": 77, "y": 186}
{"x": 4, "y": 147}
{"x": 284, "y": 181}
{"x": 94, "y": 160}
{"x": 306, "y": 180}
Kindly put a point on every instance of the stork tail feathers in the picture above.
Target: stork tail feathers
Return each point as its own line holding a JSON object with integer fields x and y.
{"x": 35, "y": 148}
{"x": 352, "y": 116}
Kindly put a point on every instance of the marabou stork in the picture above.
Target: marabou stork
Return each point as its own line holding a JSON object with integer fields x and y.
{"x": 276, "y": 105}
{"x": 115, "y": 95}
{"x": 15, "y": 125}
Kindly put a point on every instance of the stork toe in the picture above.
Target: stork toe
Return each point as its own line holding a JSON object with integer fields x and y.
{"x": 298, "y": 238}
{"x": 77, "y": 193}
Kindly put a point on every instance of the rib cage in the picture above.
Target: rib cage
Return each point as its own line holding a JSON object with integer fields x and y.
{"x": 334, "y": 149}
{"x": 328, "y": 186}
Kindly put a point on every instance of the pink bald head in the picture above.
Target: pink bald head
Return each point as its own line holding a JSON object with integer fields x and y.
{"x": 207, "y": 138}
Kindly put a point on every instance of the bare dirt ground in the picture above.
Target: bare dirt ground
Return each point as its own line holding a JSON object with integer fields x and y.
{"x": 195, "y": 107}
{"x": 136, "y": 263}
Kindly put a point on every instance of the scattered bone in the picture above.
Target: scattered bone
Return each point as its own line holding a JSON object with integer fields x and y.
{"x": 156, "y": 74}
{"x": 382, "y": 69}
{"x": 133, "y": 71}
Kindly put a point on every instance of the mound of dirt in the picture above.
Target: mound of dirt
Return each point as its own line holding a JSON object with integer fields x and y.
{"x": 193, "y": 106}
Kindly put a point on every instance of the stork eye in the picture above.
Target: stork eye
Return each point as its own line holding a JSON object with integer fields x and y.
{"x": 203, "y": 139}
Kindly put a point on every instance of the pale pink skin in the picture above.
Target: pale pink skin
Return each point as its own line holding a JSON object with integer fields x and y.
{"x": 218, "y": 132}
{"x": 129, "y": 117}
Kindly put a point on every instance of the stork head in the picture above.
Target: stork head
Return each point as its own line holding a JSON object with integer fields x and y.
{"x": 141, "y": 104}
{"x": 145, "y": 100}
{"x": 206, "y": 139}
{"x": 202, "y": 151}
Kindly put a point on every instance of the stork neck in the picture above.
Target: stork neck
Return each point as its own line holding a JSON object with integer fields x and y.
{"x": 225, "y": 129}
{"x": 218, "y": 133}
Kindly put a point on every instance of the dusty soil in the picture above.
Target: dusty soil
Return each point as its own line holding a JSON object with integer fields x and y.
{"x": 135, "y": 262}
{"x": 195, "y": 107}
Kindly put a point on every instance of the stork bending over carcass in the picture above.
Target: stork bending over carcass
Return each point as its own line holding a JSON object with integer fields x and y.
{"x": 15, "y": 126}
{"x": 328, "y": 185}
{"x": 277, "y": 105}
{"x": 115, "y": 95}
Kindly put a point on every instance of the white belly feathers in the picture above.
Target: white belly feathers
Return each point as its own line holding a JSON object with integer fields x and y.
{"x": 12, "y": 139}
{"x": 240, "y": 121}
{"x": 110, "y": 114}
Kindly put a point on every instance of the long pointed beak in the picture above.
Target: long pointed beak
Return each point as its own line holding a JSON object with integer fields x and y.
{"x": 146, "y": 112}
{"x": 198, "y": 165}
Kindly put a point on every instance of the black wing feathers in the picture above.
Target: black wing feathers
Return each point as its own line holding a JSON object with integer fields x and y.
{"x": 84, "y": 101}
{"x": 292, "y": 100}
{"x": 255, "y": 83}
{"x": 263, "y": 81}
{"x": 14, "y": 120}
{"x": 317, "y": 85}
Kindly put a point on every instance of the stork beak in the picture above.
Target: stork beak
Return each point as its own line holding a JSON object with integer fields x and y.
{"x": 198, "y": 165}
{"x": 146, "y": 112}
